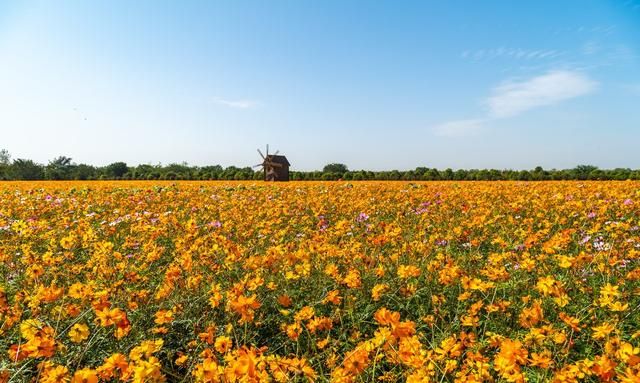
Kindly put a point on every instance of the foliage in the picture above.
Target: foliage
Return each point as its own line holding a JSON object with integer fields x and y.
{"x": 22, "y": 169}
{"x": 61, "y": 168}
{"x": 320, "y": 281}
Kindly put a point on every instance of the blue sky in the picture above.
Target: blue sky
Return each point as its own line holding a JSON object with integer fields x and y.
{"x": 375, "y": 85}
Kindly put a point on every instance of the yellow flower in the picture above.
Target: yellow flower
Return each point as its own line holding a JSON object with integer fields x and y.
{"x": 29, "y": 328}
{"x": 322, "y": 343}
{"x": 181, "y": 360}
{"x": 223, "y": 344}
{"x": 79, "y": 332}
{"x": 215, "y": 295}
{"x": 378, "y": 290}
{"x": 163, "y": 316}
{"x": 85, "y": 375}
{"x": 541, "y": 360}
{"x": 626, "y": 351}
{"x": 546, "y": 285}
{"x": 352, "y": 279}
{"x": 602, "y": 331}
{"x": 304, "y": 314}
{"x": 55, "y": 374}
{"x": 67, "y": 242}
{"x": 146, "y": 349}
{"x": 408, "y": 271}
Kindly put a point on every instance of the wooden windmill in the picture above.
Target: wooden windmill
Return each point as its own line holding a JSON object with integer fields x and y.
{"x": 276, "y": 168}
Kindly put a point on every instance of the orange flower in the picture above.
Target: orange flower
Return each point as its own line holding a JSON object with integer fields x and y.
{"x": 245, "y": 307}
{"x": 243, "y": 366}
{"x": 604, "y": 368}
{"x": 284, "y": 301}
{"x": 508, "y": 361}
{"x": 356, "y": 361}
{"x": 385, "y": 317}
{"x": 333, "y": 297}
{"x": 531, "y": 316}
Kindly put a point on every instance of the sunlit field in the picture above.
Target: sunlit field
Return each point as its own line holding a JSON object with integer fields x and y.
{"x": 311, "y": 281}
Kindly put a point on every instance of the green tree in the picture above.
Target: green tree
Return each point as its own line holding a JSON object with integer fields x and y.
{"x": 5, "y": 164}
{"x": 83, "y": 172}
{"x": 448, "y": 174}
{"x": 116, "y": 170}
{"x": 141, "y": 171}
{"x": 59, "y": 169}
{"x": 22, "y": 169}
{"x": 178, "y": 171}
{"x": 335, "y": 168}
{"x": 581, "y": 172}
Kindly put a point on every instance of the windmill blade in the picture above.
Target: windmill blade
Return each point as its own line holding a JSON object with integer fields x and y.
{"x": 262, "y": 155}
{"x": 274, "y": 164}
{"x": 255, "y": 166}
{"x": 276, "y": 153}
{"x": 267, "y": 150}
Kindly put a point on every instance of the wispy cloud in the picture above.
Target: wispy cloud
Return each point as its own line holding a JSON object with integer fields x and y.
{"x": 238, "y": 104}
{"x": 590, "y": 48}
{"x": 510, "y": 53}
{"x": 599, "y": 30}
{"x": 633, "y": 4}
{"x": 512, "y": 98}
{"x": 458, "y": 128}
{"x": 633, "y": 88}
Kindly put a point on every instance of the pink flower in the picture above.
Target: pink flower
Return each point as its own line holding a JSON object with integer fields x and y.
{"x": 362, "y": 217}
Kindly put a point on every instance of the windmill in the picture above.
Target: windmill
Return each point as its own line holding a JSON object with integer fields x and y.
{"x": 276, "y": 168}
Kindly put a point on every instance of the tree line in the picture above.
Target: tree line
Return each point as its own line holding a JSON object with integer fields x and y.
{"x": 63, "y": 168}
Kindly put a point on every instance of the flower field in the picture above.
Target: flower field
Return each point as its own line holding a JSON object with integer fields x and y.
{"x": 320, "y": 281}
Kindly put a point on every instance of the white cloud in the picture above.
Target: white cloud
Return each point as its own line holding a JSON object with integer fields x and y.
{"x": 458, "y": 128}
{"x": 238, "y": 104}
{"x": 513, "y": 98}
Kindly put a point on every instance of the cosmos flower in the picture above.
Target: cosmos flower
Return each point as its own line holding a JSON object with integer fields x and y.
{"x": 311, "y": 281}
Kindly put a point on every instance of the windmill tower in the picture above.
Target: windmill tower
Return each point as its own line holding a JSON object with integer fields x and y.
{"x": 275, "y": 167}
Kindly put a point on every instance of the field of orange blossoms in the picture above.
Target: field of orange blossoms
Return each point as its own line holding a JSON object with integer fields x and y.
{"x": 342, "y": 282}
